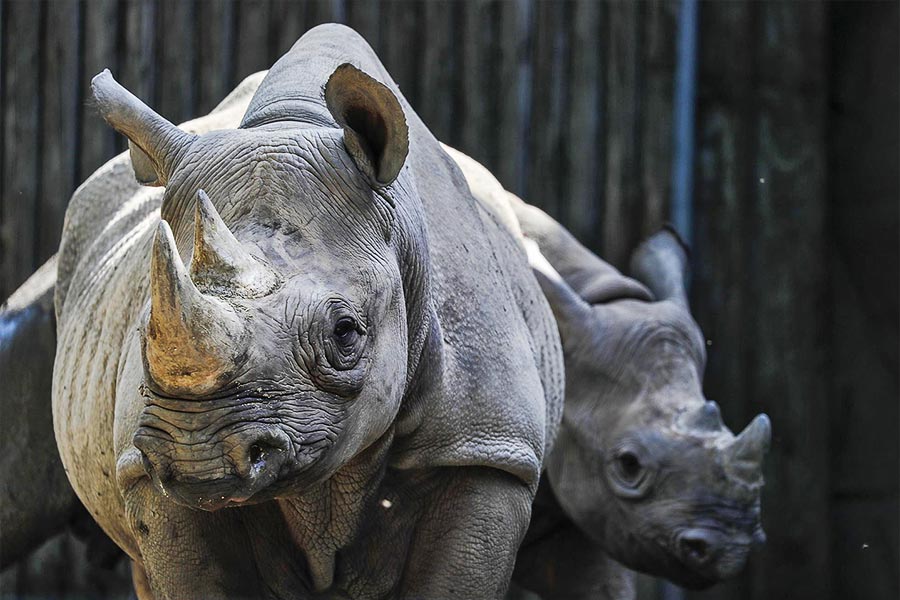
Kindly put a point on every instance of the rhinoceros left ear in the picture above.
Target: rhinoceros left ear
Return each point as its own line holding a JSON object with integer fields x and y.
{"x": 154, "y": 143}
{"x": 375, "y": 130}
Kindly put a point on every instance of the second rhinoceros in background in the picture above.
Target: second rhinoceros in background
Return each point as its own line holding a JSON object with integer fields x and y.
{"x": 644, "y": 471}
{"x": 307, "y": 338}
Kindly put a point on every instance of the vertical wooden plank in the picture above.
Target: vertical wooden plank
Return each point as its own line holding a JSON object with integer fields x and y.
{"x": 325, "y": 11}
{"x": 60, "y": 122}
{"x": 474, "y": 78}
{"x": 437, "y": 69}
{"x": 288, "y": 23}
{"x": 659, "y": 52}
{"x": 363, "y": 16}
{"x": 22, "y": 141}
{"x": 583, "y": 123}
{"x": 5, "y": 248}
{"x": 176, "y": 97}
{"x": 252, "y": 37}
{"x": 513, "y": 91}
{"x": 622, "y": 130}
{"x": 789, "y": 311}
{"x": 546, "y": 131}
{"x": 138, "y": 54}
{"x": 216, "y": 50}
{"x": 399, "y": 44}
{"x": 864, "y": 184}
{"x": 97, "y": 141}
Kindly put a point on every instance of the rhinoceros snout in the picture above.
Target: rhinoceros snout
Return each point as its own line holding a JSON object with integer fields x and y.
{"x": 211, "y": 478}
{"x": 711, "y": 555}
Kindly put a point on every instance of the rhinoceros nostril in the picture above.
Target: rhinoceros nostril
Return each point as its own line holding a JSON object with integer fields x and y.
{"x": 257, "y": 455}
{"x": 696, "y": 549}
{"x": 264, "y": 455}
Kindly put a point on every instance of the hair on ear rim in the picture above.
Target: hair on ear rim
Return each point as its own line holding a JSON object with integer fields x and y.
{"x": 376, "y": 134}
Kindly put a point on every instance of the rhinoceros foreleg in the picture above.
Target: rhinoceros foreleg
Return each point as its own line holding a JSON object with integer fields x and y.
{"x": 185, "y": 553}
{"x": 465, "y": 545}
{"x": 566, "y": 565}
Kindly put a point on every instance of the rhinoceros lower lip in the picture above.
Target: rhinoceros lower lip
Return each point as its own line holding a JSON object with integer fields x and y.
{"x": 213, "y": 495}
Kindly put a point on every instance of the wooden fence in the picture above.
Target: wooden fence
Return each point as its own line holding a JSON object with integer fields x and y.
{"x": 571, "y": 105}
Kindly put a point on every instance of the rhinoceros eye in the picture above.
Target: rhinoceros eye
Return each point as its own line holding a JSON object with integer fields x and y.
{"x": 629, "y": 466}
{"x": 628, "y": 475}
{"x": 343, "y": 347}
{"x": 345, "y": 331}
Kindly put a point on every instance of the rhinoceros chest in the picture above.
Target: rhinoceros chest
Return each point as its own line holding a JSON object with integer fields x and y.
{"x": 341, "y": 540}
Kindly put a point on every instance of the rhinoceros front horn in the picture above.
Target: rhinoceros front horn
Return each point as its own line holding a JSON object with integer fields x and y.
{"x": 192, "y": 341}
{"x": 746, "y": 453}
{"x": 155, "y": 144}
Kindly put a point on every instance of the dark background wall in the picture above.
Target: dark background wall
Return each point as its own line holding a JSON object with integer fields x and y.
{"x": 793, "y": 210}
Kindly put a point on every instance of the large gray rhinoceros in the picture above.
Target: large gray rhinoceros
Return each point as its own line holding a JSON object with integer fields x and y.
{"x": 325, "y": 371}
{"x": 643, "y": 471}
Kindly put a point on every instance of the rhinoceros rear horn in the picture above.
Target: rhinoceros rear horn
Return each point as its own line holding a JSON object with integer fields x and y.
{"x": 154, "y": 143}
{"x": 746, "y": 453}
{"x": 219, "y": 262}
{"x": 375, "y": 130}
{"x": 706, "y": 418}
{"x": 661, "y": 264}
{"x": 192, "y": 341}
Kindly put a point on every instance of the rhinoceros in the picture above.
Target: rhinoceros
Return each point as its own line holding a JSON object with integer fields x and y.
{"x": 313, "y": 365}
{"x": 644, "y": 471}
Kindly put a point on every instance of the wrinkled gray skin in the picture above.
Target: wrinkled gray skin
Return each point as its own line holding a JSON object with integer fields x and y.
{"x": 644, "y": 471}
{"x": 302, "y": 381}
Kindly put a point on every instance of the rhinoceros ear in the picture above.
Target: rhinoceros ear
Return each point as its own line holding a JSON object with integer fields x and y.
{"x": 661, "y": 263}
{"x": 153, "y": 142}
{"x": 375, "y": 130}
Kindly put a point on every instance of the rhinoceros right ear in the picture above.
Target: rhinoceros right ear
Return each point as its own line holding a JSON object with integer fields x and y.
{"x": 154, "y": 143}
{"x": 375, "y": 130}
{"x": 570, "y": 311}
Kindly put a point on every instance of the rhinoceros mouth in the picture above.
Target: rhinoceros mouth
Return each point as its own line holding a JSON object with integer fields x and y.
{"x": 255, "y": 469}
{"x": 213, "y": 454}
{"x": 703, "y": 556}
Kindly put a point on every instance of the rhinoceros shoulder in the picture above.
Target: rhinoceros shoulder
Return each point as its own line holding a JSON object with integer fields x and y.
{"x": 501, "y": 396}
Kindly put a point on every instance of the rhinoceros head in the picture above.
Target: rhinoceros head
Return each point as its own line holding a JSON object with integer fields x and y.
{"x": 275, "y": 339}
{"x": 644, "y": 463}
